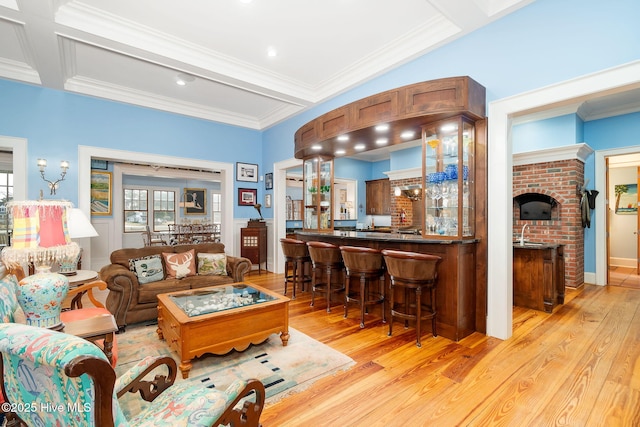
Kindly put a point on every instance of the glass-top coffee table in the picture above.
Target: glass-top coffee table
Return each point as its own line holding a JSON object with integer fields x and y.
{"x": 221, "y": 318}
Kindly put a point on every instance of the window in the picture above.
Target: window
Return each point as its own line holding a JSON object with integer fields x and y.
{"x": 140, "y": 211}
{"x": 164, "y": 209}
{"x": 135, "y": 210}
{"x": 216, "y": 208}
{"x": 6, "y": 195}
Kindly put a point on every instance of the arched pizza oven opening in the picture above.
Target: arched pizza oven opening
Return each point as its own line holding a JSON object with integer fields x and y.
{"x": 536, "y": 206}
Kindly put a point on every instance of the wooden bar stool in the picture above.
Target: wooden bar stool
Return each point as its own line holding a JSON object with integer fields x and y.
{"x": 327, "y": 262}
{"x": 296, "y": 256}
{"x": 367, "y": 265}
{"x": 412, "y": 271}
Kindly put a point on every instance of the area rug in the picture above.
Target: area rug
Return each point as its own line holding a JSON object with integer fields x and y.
{"x": 282, "y": 370}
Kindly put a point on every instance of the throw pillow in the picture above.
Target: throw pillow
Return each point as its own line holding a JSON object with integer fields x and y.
{"x": 212, "y": 264}
{"x": 180, "y": 265}
{"x": 148, "y": 269}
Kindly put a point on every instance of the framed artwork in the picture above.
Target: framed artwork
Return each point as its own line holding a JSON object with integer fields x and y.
{"x": 626, "y": 199}
{"x": 246, "y": 172}
{"x": 101, "y": 193}
{"x": 343, "y": 195}
{"x": 268, "y": 181}
{"x": 99, "y": 164}
{"x": 267, "y": 200}
{"x": 247, "y": 196}
{"x": 195, "y": 201}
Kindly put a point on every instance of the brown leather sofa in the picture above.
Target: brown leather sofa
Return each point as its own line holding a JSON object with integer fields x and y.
{"x": 131, "y": 302}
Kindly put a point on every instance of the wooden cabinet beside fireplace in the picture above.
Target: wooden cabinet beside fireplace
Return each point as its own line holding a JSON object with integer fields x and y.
{"x": 538, "y": 276}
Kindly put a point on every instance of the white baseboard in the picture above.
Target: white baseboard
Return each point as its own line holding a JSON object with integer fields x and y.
{"x": 591, "y": 279}
{"x": 622, "y": 262}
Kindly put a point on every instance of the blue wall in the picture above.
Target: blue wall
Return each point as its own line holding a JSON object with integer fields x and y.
{"x": 541, "y": 44}
{"x": 55, "y": 123}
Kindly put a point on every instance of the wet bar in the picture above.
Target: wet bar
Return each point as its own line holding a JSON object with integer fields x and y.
{"x": 456, "y": 290}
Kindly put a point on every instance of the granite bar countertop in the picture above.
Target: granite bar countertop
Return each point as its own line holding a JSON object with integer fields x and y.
{"x": 385, "y": 237}
{"x": 535, "y": 245}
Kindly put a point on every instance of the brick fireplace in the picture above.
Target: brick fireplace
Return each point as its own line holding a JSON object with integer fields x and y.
{"x": 557, "y": 173}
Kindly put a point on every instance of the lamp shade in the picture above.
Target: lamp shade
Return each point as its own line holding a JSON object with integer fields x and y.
{"x": 79, "y": 225}
{"x": 40, "y": 232}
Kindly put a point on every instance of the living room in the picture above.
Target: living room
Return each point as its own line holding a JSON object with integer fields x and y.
{"x": 535, "y": 49}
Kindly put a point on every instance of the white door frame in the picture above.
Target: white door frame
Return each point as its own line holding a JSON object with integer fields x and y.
{"x": 280, "y": 209}
{"x": 500, "y": 192}
{"x": 85, "y": 153}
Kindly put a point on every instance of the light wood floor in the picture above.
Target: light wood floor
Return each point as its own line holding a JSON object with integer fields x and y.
{"x": 624, "y": 276}
{"x": 579, "y": 366}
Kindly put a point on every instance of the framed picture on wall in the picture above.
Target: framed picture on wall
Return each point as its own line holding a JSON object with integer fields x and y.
{"x": 626, "y": 199}
{"x": 247, "y": 196}
{"x": 101, "y": 193}
{"x": 267, "y": 200}
{"x": 195, "y": 201}
{"x": 268, "y": 181}
{"x": 246, "y": 172}
{"x": 99, "y": 164}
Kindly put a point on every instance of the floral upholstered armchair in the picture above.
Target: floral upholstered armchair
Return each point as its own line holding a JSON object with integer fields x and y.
{"x": 51, "y": 378}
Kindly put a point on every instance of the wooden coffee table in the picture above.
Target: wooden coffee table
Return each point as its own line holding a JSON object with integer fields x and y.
{"x": 193, "y": 322}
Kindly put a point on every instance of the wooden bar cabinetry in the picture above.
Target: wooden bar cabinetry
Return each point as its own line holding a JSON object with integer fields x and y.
{"x": 378, "y": 197}
{"x": 538, "y": 276}
{"x": 456, "y": 293}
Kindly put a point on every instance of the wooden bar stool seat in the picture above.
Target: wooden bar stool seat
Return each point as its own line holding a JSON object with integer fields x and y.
{"x": 413, "y": 272}
{"x": 328, "y": 271}
{"x": 367, "y": 265}
{"x": 296, "y": 257}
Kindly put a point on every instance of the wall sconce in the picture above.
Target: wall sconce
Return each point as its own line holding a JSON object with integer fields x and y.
{"x": 53, "y": 185}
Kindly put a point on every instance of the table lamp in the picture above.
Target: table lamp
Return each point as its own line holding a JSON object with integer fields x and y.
{"x": 79, "y": 227}
{"x": 41, "y": 237}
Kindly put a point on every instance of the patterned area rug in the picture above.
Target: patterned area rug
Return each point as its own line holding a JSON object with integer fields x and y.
{"x": 282, "y": 370}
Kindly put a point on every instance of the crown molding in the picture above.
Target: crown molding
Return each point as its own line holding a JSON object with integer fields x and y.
{"x": 568, "y": 152}
{"x": 404, "y": 174}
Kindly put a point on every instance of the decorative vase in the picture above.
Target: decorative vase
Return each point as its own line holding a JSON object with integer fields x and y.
{"x": 41, "y": 296}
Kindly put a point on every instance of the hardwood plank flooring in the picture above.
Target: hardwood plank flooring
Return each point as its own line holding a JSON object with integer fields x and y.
{"x": 579, "y": 366}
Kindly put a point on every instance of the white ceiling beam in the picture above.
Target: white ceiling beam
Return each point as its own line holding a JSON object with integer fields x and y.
{"x": 42, "y": 41}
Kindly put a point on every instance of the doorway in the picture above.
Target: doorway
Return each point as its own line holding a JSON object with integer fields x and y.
{"x": 622, "y": 220}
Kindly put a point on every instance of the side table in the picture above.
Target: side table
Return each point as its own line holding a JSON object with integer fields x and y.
{"x": 95, "y": 328}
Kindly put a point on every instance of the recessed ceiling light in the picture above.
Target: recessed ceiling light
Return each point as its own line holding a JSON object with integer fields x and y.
{"x": 343, "y": 138}
{"x": 246, "y": 1}
{"x": 339, "y": 152}
{"x": 407, "y": 134}
{"x": 382, "y": 141}
{"x": 382, "y": 128}
{"x": 272, "y": 51}
{"x": 182, "y": 79}
{"x": 316, "y": 147}
{"x": 358, "y": 147}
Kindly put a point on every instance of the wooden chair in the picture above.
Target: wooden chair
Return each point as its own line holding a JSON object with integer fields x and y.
{"x": 296, "y": 257}
{"x": 366, "y": 265}
{"x": 44, "y": 369}
{"x": 328, "y": 271}
{"x": 412, "y": 272}
{"x": 152, "y": 239}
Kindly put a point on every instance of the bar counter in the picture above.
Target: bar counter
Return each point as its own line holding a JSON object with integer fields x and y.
{"x": 456, "y": 288}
